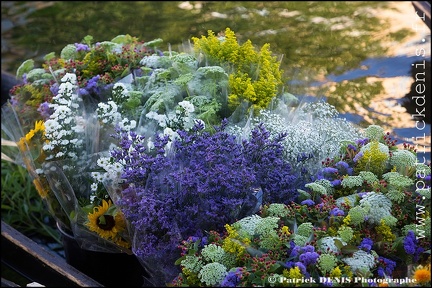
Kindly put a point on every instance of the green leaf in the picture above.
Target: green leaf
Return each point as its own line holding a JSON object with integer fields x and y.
{"x": 25, "y": 67}
{"x": 49, "y": 56}
{"x": 338, "y": 243}
{"x": 88, "y": 40}
{"x": 348, "y": 249}
{"x": 178, "y": 261}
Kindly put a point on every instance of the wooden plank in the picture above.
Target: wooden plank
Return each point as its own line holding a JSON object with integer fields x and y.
{"x": 37, "y": 263}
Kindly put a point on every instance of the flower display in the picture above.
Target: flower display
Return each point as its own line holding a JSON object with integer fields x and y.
{"x": 200, "y": 164}
{"x": 364, "y": 221}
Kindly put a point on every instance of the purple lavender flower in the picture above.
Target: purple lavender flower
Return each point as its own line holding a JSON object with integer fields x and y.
{"x": 302, "y": 268}
{"x": 54, "y": 88}
{"x": 204, "y": 184}
{"x": 337, "y": 212}
{"x": 366, "y": 244}
{"x": 82, "y": 47}
{"x": 232, "y": 279}
{"x": 342, "y": 164}
{"x": 308, "y": 248}
{"x": 386, "y": 267}
{"x": 411, "y": 246}
{"x": 362, "y": 142}
{"x": 336, "y": 182}
{"x": 309, "y": 258}
{"x": 352, "y": 147}
{"x": 330, "y": 170}
{"x": 83, "y": 92}
{"x": 410, "y": 243}
{"x": 307, "y": 202}
{"x": 294, "y": 250}
{"x": 44, "y": 110}
{"x": 357, "y": 156}
{"x": 14, "y": 101}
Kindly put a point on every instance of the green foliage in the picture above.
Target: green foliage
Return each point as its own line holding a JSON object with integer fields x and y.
{"x": 373, "y": 160}
{"x": 21, "y": 205}
{"x": 256, "y": 76}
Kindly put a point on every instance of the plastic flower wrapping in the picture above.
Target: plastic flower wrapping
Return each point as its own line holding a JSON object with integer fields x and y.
{"x": 199, "y": 163}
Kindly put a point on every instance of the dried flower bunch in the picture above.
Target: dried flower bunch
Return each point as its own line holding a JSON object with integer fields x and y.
{"x": 145, "y": 151}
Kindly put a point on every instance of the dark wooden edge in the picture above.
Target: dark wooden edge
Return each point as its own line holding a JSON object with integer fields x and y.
{"x": 423, "y": 10}
{"x": 35, "y": 262}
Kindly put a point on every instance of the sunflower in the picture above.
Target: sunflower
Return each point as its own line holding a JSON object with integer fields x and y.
{"x": 108, "y": 223}
{"x": 422, "y": 275}
{"x": 41, "y": 187}
{"x": 39, "y": 127}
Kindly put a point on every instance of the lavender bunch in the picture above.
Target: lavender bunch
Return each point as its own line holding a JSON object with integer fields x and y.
{"x": 202, "y": 182}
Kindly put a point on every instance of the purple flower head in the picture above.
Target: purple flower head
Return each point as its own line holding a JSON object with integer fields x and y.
{"x": 54, "y": 88}
{"x": 386, "y": 267}
{"x": 410, "y": 243}
{"x": 295, "y": 250}
{"x": 303, "y": 156}
{"x": 362, "y": 142}
{"x": 357, "y": 156}
{"x": 362, "y": 194}
{"x": 342, "y": 164}
{"x": 411, "y": 246}
{"x": 307, "y": 202}
{"x": 82, "y": 47}
{"x": 83, "y": 92}
{"x": 309, "y": 258}
{"x": 336, "y": 182}
{"x": 44, "y": 110}
{"x": 352, "y": 147}
{"x": 302, "y": 268}
{"x": 337, "y": 212}
{"x": 308, "y": 248}
{"x": 330, "y": 170}
{"x": 232, "y": 279}
{"x": 14, "y": 101}
{"x": 290, "y": 264}
{"x": 366, "y": 244}
{"x": 202, "y": 184}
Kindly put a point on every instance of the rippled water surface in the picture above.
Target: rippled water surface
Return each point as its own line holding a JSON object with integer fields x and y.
{"x": 356, "y": 55}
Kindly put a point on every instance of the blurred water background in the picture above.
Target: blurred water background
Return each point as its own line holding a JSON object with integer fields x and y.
{"x": 356, "y": 55}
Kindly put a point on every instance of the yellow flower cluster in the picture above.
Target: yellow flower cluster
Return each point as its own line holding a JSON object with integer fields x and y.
{"x": 256, "y": 76}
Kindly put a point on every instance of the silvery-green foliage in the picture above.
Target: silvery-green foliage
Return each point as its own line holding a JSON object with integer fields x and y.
{"x": 313, "y": 133}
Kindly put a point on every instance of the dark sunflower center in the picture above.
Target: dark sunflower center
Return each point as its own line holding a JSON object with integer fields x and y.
{"x": 106, "y": 222}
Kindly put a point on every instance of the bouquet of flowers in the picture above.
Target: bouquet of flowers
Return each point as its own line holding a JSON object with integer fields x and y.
{"x": 64, "y": 114}
{"x": 61, "y": 118}
{"x": 365, "y": 221}
{"x": 135, "y": 149}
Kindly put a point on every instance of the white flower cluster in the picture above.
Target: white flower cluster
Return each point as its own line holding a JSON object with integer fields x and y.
{"x": 360, "y": 261}
{"x": 313, "y": 133}
{"x": 248, "y": 224}
{"x": 212, "y": 274}
{"x": 63, "y": 129}
{"x": 213, "y": 253}
{"x": 327, "y": 244}
{"x": 377, "y": 206}
{"x": 109, "y": 113}
{"x": 181, "y": 118}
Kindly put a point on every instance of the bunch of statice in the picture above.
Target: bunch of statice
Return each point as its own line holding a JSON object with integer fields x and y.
{"x": 313, "y": 133}
{"x": 199, "y": 183}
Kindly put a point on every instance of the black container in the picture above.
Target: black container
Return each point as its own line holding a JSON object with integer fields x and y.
{"x": 109, "y": 269}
